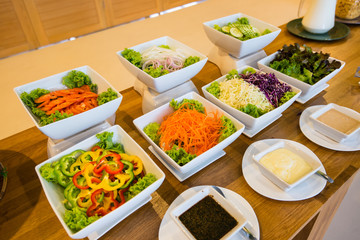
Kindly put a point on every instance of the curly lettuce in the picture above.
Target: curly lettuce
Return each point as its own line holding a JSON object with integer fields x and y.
{"x": 76, "y": 79}
{"x": 106, "y": 142}
{"x": 227, "y": 129}
{"x": 132, "y": 56}
{"x": 156, "y": 72}
{"x": 151, "y": 130}
{"x": 77, "y": 219}
{"x": 140, "y": 185}
{"x": 192, "y": 104}
{"x": 179, "y": 155}
{"x": 191, "y": 60}
{"x": 106, "y": 96}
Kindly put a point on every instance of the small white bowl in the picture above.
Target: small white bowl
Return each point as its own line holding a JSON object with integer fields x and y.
{"x": 329, "y": 130}
{"x": 249, "y": 121}
{"x": 224, "y": 203}
{"x": 55, "y": 194}
{"x": 305, "y": 153}
{"x": 170, "y": 80}
{"x": 158, "y": 115}
{"x": 234, "y": 46}
{"x": 264, "y": 63}
{"x": 72, "y": 125}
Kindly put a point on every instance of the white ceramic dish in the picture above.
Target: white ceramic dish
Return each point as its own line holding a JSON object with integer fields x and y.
{"x": 236, "y": 47}
{"x": 262, "y": 185}
{"x": 182, "y": 176}
{"x": 169, "y": 80}
{"x": 55, "y": 194}
{"x": 158, "y": 115}
{"x": 306, "y": 88}
{"x": 169, "y": 230}
{"x": 70, "y": 126}
{"x": 307, "y": 128}
{"x": 249, "y": 121}
{"x": 315, "y": 165}
{"x": 329, "y": 131}
{"x": 208, "y": 191}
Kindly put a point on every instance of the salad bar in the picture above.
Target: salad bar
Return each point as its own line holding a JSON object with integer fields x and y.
{"x": 135, "y": 180}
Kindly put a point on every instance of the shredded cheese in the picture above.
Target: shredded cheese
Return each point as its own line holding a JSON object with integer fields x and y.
{"x": 238, "y": 93}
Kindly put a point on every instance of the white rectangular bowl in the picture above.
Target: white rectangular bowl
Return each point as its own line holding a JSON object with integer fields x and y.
{"x": 158, "y": 115}
{"x": 170, "y": 80}
{"x": 55, "y": 194}
{"x": 315, "y": 165}
{"x": 72, "y": 125}
{"x": 249, "y": 121}
{"x": 224, "y": 203}
{"x": 329, "y": 131}
{"x": 264, "y": 63}
{"x": 234, "y": 46}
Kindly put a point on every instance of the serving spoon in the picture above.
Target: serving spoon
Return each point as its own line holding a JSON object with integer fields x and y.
{"x": 324, "y": 175}
{"x": 245, "y": 230}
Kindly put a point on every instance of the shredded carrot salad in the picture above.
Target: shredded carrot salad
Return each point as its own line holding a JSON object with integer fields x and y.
{"x": 191, "y": 130}
{"x": 71, "y": 101}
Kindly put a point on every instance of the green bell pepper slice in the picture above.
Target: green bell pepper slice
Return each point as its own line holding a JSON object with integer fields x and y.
{"x": 67, "y": 160}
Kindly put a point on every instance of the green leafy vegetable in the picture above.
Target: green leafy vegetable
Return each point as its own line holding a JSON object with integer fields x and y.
{"x": 248, "y": 70}
{"x": 45, "y": 119}
{"x": 164, "y": 46}
{"x": 252, "y": 110}
{"x": 107, "y": 143}
{"x": 107, "y": 96}
{"x": 303, "y": 64}
{"x": 228, "y": 128}
{"x": 76, "y": 79}
{"x": 152, "y": 131}
{"x": 47, "y": 172}
{"x": 232, "y": 74}
{"x": 132, "y": 56}
{"x": 156, "y": 72}
{"x": 287, "y": 96}
{"x": 179, "y": 155}
{"x": 214, "y": 89}
{"x": 192, "y": 104}
{"x": 140, "y": 185}
{"x": 191, "y": 60}
{"x": 77, "y": 219}
{"x": 28, "y": 98}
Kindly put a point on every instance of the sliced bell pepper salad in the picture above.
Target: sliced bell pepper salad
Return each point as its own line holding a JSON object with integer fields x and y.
{"x": 96, "y": 182}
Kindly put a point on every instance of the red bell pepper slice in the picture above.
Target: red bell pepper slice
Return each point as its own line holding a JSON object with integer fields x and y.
{"x": 74, "y": 179}
{"x": 112, "y": 167}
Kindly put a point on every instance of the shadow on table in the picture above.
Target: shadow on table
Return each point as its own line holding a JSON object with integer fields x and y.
{"x": 22, "y": 192}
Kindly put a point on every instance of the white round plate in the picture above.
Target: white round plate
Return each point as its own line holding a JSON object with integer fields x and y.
{"x": 308, "y": 130}
{"x": 262, "y": 185}
{"x": 169, "y": 230}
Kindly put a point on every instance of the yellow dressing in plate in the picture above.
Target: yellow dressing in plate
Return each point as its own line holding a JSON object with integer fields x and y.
{"x": 285, "y": 164}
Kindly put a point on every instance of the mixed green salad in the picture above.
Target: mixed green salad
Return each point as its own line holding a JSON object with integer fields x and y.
{"x": 303, "y": 63}
{"x": 189, "y": 131}
{"x": 80, "y": 96}
{"x": 254, "y": 93}
{"x": 159, "y": 60}
{"x": 97, "y": 181}
{"x": 241, "y": 29}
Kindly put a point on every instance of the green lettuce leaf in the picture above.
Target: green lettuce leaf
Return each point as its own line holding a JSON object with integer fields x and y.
{"x": 140, "y": 185}
{"x": 106, "y": 142}
{"x": 152, "y": 131}
{"x": 77, "y": 219}
{"x": 107, "y": 96}
{"x": 76, "y": 79}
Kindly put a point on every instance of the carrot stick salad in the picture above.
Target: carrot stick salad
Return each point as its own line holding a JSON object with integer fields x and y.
{"x": 80, "y": 96}
{"x": 189, "y": 130}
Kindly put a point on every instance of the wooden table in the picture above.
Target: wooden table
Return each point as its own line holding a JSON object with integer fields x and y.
{"x": 26, "y": 214}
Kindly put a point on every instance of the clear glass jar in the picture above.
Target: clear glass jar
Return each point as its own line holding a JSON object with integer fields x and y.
{"x": 347, "y": 9}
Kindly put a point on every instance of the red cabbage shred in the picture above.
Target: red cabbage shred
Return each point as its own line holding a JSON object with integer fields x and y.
{"x": 272, "y": 88}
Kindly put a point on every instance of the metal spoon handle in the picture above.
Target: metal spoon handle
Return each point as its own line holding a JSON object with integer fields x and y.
{"x": 324, "y": 175}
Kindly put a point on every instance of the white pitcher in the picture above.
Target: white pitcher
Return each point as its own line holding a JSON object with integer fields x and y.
{"x": 320, "y": 17}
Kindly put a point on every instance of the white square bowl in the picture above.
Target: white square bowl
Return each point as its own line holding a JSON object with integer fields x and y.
{"x": 234, "y": 46}
{"x": 72, "y": 125}
{"x": 158, "y": 115}
{"x": 55, "y": 194}
{"x": 330, "y": 131}
{"x": 170, "y": 80}
{"x": 249, "y": 121}
{"x": 264, "y": 65}
{"x": 302, "y": 152}
{"x": 224, "y": 203}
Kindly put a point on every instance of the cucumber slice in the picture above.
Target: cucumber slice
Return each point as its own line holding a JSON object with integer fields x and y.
{"x": 225, "y": 29}
{"x": 236, "y": 32}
